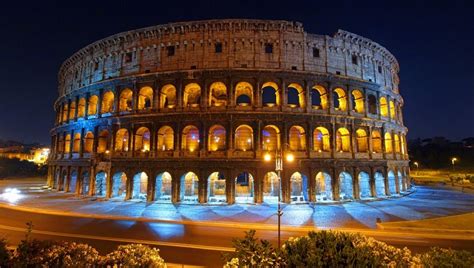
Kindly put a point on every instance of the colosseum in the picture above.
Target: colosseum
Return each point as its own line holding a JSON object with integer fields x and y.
{"x": 189, "y": 112}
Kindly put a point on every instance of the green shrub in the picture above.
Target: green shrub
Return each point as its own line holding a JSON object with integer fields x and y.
{"x": 68, "y": 255}
{"x": 4, "y": 253}
{"x": 133, "y": 255}
{"x": 440, "y": 257}
{"x": 30, "y": 251}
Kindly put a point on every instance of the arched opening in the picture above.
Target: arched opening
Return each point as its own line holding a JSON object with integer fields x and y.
{"x": 392, "y": 184}
{"x": 73, "y": 181}
{"x": 323, "y": 187}
{"x": 142, "y": 140}
{"x": 145, "y": 98}
{"x": 244, "y": 192}
{"x": 319, "y": 98}
{"x": 85, "y": 183}
{"x": 192, "y": 95}
{"x": 216, "y": 138}
{"x": 72, "y": 110}
{"x": 383, "y": 107}
{"x": 343, "y": 140}
{"x": 126, "y": 100}
{"x": 362, "y": 141}
{"x": 76, "y": 145}
{"x": 271, "y": 138}
{"x": 216, "y": 188}
{"x": 376, "y": 141}
{"x": 372, "y": 102}
{"x": 107, "y": 102}
{"x": 62, "y": 181}
{"x": 297, "y": 138}
{"x": 100, "y": 184}
{"x": 119, "y": 185}
{"x": 190, "y": 139}
{"x": 271, "y": 187}
{"x": 397, "y": 143}
{"x": 189, "y": 188}
{"x": 165, "y": 139}
{"x": 346, "y": 190}
{"x": 92, "y": 107}
{"x": 121, "y": 140}
{"x": 321, "y": 140}
{"x": 296, "y": 95}
{"x": 392, "y": 110}
{"x": 358, "y": 101}
{"x": 140, "y": 186}
{"x": 340, "y": 99}
{"x": 379, "y": 184}
{"x": 217, "y": 94}
{"x": 401, "y": 182}
{"x": 89, "y": 142}
{"x": 403, "y": 144}
{"x": 67, "y": 144}
{"x": 102, "y": 142}
{"x": 244, "y": 138}
{"x": 388, "y": 143}
{"x": 163, "y": 187}
{"x": 65, "y": 112}
{"x": 81, "y": 108}
{"x": 243, "y": 94}
{"x": 168, "y": 96}
{"x": 299, "y": 188}
{"x": 270, "y": 94}
{"x": 364, "y": 185}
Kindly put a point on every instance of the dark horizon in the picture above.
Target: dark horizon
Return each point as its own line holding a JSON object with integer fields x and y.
{"x": 433, "y": 45}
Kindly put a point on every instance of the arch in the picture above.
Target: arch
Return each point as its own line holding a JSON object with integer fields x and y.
{"x": 81, "y": 107}
{"x": 392, "y": 110}
{"x": 340, "y": 99}
{"x": 88, "y": 142}
{"x": 364, "y": 185}
{"x": 243, "y": 94}
{"x": 403, "y": 144}
{"x": 126, "y": 100}
{"x": 379, "y": 184}
{"x": 100, "y": 188}
{"x": 76, "y": 144}
{"x": 271, "y": 187}
{"x": 244, "y": 188}
{"x": 189, "y": 188}
{"x": 62, "y": 180}
{"x": 362, "y": 141}
{"x": 296, "y": 95}
{"x": 92, "y": 106}
{"x": 396, "y": 139}
{"x": 297, "y": 138}
{"x": 323, "y": 187}
{"x": 72, "y": 110}
{"x": 216, "y": 188}
{"x": 119, "y": 185}
{"x": 392, "y": 183}
{"x": 299, "y": 188}
{"x": 85, "y": 183}
{"x": 343, "y": 140}
{"x": 217, "y": 138}
{"x": 140, "y": 186}
{"x": 244, "y": 138}
{"x": 192, "y": 95}
{"x": 383, "y": 107}
{"x": 102, "y": 142}
{"x": 321, "y": 140}
{"x": 121, "y": 140}
{"x": 217, "y": 94}
{"x": 145, "y": 98}
{"x": 73, "y": 181}
{"x": 67, "y": 144}
{"x": 168, "y": 96}
{"x": 358, "y": 101}
{"x": 372, "y": 102}
{"x": 270, "y": 94}
{"x": 319, "y": 97}
{"x": 165, "y": 138}
{"x": 388, "y": 143}
{"x": 142, "y": 139}
{"x": 163, "y": 187}
{"x": 346, "y": 190}
{"x": 271, "y": 138}
{"x": 60, "y": 146}
{"x": 107, "y": 102}
{"x": 190, "y": 138}
{"x": 401, "y": 181}
{"x": 376, "y": 141}
{"x": 65, "y": 112}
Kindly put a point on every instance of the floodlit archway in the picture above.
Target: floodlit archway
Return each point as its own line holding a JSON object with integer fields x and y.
{"x": 379, "y": 184}
{"x": 392, "y": 183}
{"x": 62, "y": 181}
{"x": 271, "y": 138}
{"x": 323, "y": 187}
{"x": 364, "y": 185}
{"x": 126, "y": 100}
{"x": 145, "y": 98}
{"x": 343, "y": 140}
{"x": 358, "y": 101}
{"x": 140, "y": 186}
{"x": 217, "y": 94}
{"x": 189, "y": 188}
{"x": 376, "y": 141}
{"x": 346, "y": 190}
{"x": 119, "y": 185}
{"x": 92, "y": 107}
{"x": 243, "y": 94}
{"x": 192, "y": 95}
{"x": 297, "y": 138}
{"x": 168, "y": 96}
{"x": 88, "y": 142}
{"x": 299, "y": 188}
{"x": 73, "y": 181}
{"x": 142, "y": 139}
{"x": 121, "y": 140}
{"x": 244, "y": 138}
{"x": 190, "y": 139}
{"x": 340, "y": 99}
{"x": 397, "y": 143}
{"x": 81, "y": 107}
{"x": 100, "y": 188}
{"x": 270, "y": 94}
{"x": 216, "y": 138}
{"x": 67, "y": 144}
{"x": 392, "y": 110}
{"x": 163, "y": 189}
{"x": 388, "y": 143}
{"x": 372, "y": 102}
{"x": 102, "y": 142}
{"x": 244, "y": 192}
{"x": 85, "y": 183}
{"x": 296, "y": 95}
{"x": 321, "y": 140}
{"x": 319, "y": 98}
{"x": 383, "y": 107}
{"x": 362, "y": 141}
{"x": 76, "y": 145}
{"x": 165, "y": 139}
{"x": 107, "y": 102}
{"x": 72, "y": 110}
{"x": 401, "y": 182}
{"x": 216, "y": 188}
{"x": 271, "y": 187}
{"x": 65, "y": 112}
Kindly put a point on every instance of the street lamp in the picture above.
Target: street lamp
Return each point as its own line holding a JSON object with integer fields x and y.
{"x": 453, "y": 160}
{"x": 279, "y": 168}
{"x": 416, "y": 164}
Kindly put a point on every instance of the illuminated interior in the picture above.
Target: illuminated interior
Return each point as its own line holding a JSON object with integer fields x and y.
{"x": 244, "y": 138}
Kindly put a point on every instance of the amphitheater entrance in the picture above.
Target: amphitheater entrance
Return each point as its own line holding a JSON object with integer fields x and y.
{"x": 401, "y": 182}
{"x": 85, "y": 183}
{"x": 73, "y": 181}
{"x": 271, "y": 188}
{"x": 189, "y": 188}
{"x": 119, "y": 185}
{"x": 364, "y": 185}
{"x": 346, "y": 190}
{"x": 299, "y": 188}
{"x": 392, "y": 184}
{"x": 163, "y": 187}
{"x": 244, "y": 193}
{"x": 100, "y": 184}
{"x": 323, "y": 187}
{"x": 379, "y": 184}
{"x": 140, "y": 186}
{"x": 216, "y": 188}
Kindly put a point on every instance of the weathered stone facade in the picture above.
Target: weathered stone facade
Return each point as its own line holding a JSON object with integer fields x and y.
{"x": 215, "y": 96}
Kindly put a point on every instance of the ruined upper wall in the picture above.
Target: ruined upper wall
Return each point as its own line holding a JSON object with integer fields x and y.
{"x": 244, "y": 44}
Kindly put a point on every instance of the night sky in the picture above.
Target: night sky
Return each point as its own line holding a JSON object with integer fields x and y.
{"x": 433, "y": 44}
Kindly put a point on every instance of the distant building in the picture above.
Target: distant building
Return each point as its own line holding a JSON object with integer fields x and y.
{"x": 24, "y": 153}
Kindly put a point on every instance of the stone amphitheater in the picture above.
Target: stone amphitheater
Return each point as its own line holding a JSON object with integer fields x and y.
{"x": 187, "y": 112}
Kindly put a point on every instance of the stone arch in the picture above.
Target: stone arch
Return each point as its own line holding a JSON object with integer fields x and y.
{"x": 88, "y": 142}
{"x": 192, "y": 95}
{"x": 358, "y": 101}
{"x": 372, "y": 103}
{"x": 271, "y": 187}
{"x": 346, "y": 186}
{"x": 323, "y": 187}
{"x": 102, "y": 142}
{"x": 383, "y": 107}
{"x": 392, "y": 183}
{"x": 396, "y": 139}
{"x": 244, "y": 188}
{"x": 81, "y": 107}
{"x": 107, "y": 102}
{"x": 340, "y": 99}
{"x": 62, "y": 180}
{"x": 376, "y": 141}
{"x": 67, "y": 144}
{"x": 142, "y": 139}
{"x": 343, "y": 140}
{"x": 165, "y": 138}
{"x": 364, "y": 185}
{"x": 100, "y": 185}
{"x": 216, "y": 188}
{"x": 86, "y": 179}
{"x": 119, "y": 185}
{"x": 145, "y": 98}
{"x": 271, "y": 138}
{"x": 65, "y": 112}
{"x": 401, "y": 181}
{"x": 92, "y": 105}
{"x": 297, "y": 138}
{"x": 140, "y": 186}
{"x": 296, "y": 95}
{"x": 121, "y": 140}
{"x": 379, "y": 184}
{"x": 319, "y": 98}
{"x": 362, "y": 141}
{"x": 190, "y": 138}
{"x": 217, "y": 94}
{"x": 217, "y": 138}
{"x": 388, "y": 142}
{"x": 243, "y": 94}
{"x": 392, "y": 110}
{"x": 73, "y": 181}
{"x": 163, "y": 187}
{"x": 168, "y": 96}
{"x": 298, "y": 188}
{"x": 126, "y": 100}
{"x": 72, "y": 110}
{"x": 321, "y": 140}
{"x": 189, "y": 188}
{"x": 76, "y": 143}
{"x": 270, "y": 94}
{"x": 244, "y": 138}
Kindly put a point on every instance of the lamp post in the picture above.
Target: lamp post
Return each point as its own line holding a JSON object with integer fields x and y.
{"x": 453, "y": 160}
{"x": 416, "y": 164}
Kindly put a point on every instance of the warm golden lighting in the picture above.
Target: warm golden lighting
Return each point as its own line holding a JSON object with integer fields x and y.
{"x": 416, "y": 164}
{"x": 290, "y": 157}
{"x": 454, "y": 159}
{"x": 267, "y": 157}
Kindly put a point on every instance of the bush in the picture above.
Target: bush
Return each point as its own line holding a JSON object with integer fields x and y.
{"x": 4, "y": 253}
{"x": 68, "y": 255}
{"x": 133, "y": 255}
{"x": 29, "y": 252}
{"x": 440, "y": 257}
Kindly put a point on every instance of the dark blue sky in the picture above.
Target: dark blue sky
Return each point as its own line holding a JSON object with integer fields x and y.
{"x": 434, "y": 45}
